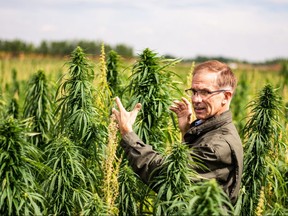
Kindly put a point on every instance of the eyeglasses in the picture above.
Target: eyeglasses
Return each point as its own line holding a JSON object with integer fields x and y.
{"x": 202, "y": 93}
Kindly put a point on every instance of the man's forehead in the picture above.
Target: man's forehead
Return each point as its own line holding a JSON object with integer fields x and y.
{"x": 206, "y": 79}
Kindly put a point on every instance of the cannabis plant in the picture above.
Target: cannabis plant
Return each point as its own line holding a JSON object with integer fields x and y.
{"x": 15, "y": 87}
{"x": 173, "y": 179}
{"x": 95, "y": 206}
{"x": 38, "y": 106}
{"x": 112, "y": 73}
{"x": 132, "y": 192}
{"x": 69, "y": 183}
{"x": 181, "y": 191}
{"x": 151, "y": 85}
{"x": 263, "y": 148}
{"x": 240, "y": 100}
{"x": 13, "y": 108}
{"x": 205, "y": 198}
{"x": 77, "y": 114}
{"x": 284, "y": 72}
{"x": 19, "y": 191}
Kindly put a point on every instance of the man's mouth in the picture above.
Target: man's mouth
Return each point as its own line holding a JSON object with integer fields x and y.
{"x": 199, "y": 108}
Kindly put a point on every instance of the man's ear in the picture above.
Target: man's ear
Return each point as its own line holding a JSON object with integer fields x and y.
{"x": 227, "y": 97}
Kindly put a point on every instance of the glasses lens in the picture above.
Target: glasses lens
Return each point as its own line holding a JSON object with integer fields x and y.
{"x": 203, "y": 93}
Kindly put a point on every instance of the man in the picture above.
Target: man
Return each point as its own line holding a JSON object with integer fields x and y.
{"x": 212, "y": 135}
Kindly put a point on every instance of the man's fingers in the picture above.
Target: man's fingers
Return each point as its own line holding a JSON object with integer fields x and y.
{"x": 185, "y": 101}
{"x": 116, "y": 114}
{"x": 137, "y": 108}
{"x": 179, "y": 104}
{"x": 114, "y": 111}
{"x": 173, "y": 108}
{"x": 119, "y": 104}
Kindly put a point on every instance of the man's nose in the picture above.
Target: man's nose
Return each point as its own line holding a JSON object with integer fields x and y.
{"x": 196, "y": 98}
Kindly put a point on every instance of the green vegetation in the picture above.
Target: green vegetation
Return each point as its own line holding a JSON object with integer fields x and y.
{"x": 63, "y": 105}
{"x": 263, "y": 182}
{"x": 60, "y": 48}
{"x": 152, "y": 85}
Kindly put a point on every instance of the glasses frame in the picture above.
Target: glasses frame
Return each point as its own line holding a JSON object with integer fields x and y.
{"x": 192, "y": 92}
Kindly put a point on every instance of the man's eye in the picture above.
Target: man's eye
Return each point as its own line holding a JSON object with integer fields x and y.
{"x": 204, "y": 92}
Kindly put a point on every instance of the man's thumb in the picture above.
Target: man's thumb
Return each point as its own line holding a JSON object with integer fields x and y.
{"x": 137, "y": 107}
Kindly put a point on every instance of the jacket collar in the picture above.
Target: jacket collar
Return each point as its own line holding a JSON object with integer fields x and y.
{"x": 212, "y": 123}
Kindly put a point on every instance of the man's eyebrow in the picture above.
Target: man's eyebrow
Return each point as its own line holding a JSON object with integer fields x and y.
{"x": 201, "y": 89}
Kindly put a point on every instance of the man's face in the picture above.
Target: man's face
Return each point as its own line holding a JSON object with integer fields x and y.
{"x": 206, "y": 106}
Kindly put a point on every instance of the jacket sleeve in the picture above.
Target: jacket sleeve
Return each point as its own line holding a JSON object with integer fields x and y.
{"x": 142, "y": 158}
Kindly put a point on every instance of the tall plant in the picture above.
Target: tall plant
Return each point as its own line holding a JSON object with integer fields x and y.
{"x": 38, "y": 105}
{"x": 103, "y": 99}
{"x": 69, "y": 184}
{"x": 180, "y": 191}
{"x": 173, "y": 180}
{"x": 132, "y": 192}
{"x": 15, "y": 87}
{"x": 19, "y": 191}
{"x": 206, "y": 198}
{"x": 112, "y": 73}
{"x": 77, "y": 113}
{"x": 111, "y": 167}
{"x": 152, "y": 85}
{"x": 263, "y": 147}
{"x": 13, "y": 108}
{"x": 284, "y": 72}
{"x": 240, "y": 100}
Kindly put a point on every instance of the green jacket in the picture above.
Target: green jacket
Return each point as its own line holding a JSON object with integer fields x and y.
{"x": 215, "y": 142}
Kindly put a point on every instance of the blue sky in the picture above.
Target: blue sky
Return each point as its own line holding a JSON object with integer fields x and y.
{"x": 253, "y": 30}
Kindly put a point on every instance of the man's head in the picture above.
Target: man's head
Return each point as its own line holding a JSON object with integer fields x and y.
{"x": 212, "y": 89}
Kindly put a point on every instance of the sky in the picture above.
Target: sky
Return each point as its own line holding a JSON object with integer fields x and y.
{"x": 250, "y": 30}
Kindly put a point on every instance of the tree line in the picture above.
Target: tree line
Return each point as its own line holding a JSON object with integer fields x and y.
{"x": 61, "y": 48}
{"x": 65, "y": 47}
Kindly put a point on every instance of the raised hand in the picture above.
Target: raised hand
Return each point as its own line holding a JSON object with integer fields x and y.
{"x": 183, "y": 110}
{"x": 125, "y": 119}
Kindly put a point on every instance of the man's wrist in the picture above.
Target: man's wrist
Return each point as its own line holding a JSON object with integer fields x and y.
{"x": 125, "y": 131}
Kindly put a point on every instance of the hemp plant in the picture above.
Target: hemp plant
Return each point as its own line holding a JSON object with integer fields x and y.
{"x": 38, "y": 105}
{"x": 75, "y": 98}
{"x": 181, "y": 191}
{"x": 131, "y": 198}
{"x": 69, "y": 183}
{"x": 240, "y": 100}
{"x": 13, "y": 108}
{"x": 112, "y": 73}
{"x": 173, "y": 179}
{"x": 206, "y": 198}
{"x": 152, "y": 85}
{"x": 14, "y": 87}
{"x": 19, "y": 161}
{"x": 284, "y": 72}
{"x": 263, "y": 147}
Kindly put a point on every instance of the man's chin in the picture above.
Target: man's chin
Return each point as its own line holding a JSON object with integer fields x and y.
{"x": 200, "y": 117}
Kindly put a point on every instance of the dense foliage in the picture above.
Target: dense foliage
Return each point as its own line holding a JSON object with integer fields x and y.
{"x": 65, "y": 110}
